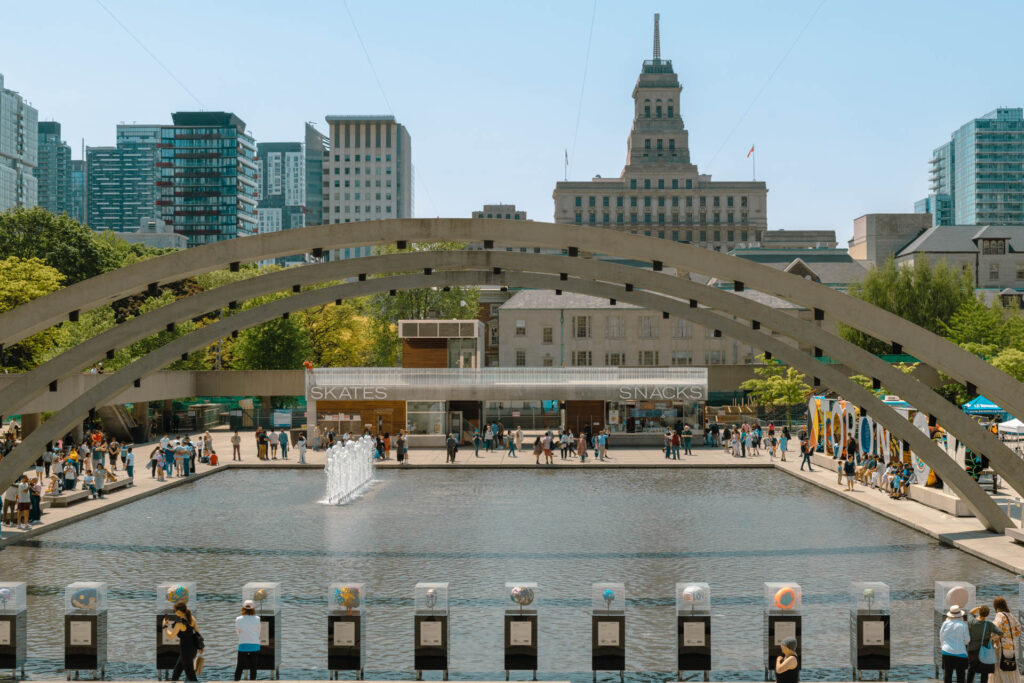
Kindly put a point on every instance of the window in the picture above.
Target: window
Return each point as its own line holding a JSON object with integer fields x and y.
{"x": 657, "y": 111}
{"x": 661, "y": 183}
{"x": 661, "y": 144}
{"x": 1020, "y": 272}
{"x": 592, "y": 201}
{"x": 689, "y": 184}
{"x": 647, "y": 201}
{"x": 703, "y": 202}
{"x": 729, "y": 235}
{"x": 671, "y": 111}
{"x": 682, "y": 358}
{"x": 520, "y": 328}
{"x": 618, "y": 202}
{"x": 632, "y": 201}
{"x": 647, "y": 143}
{"x": 648, "y": 327}
{"x": 675, "y": 183}
{"x": 632, "y": 183}
{"x": 993, "y": 271}
{"x": 689, "y": 202}
{"x": 729, "y": 218}
{"x": 647, "y": 183}
{"x": 548, "y": 335}
{"x": 661, "y": 201}
{"x": 647, "y": 111}
{"x": 713, "y": 358}
{"x": 579, "y": 217}
{"x": 582, "y": 358}
{"x": 520, "y": 359}
{"x": 680, "y": 330}
{"x": 615, "y": 358}
{"x": 581, "y": 327}
{"x": 728, "y": 201}
{"x": 648, "y": 358}
{"x": 672, "y": 144}
{"x": 606, "y": 201}
{"x": 492, "y": 334}
{"x": 615, "y": 327}
{"x": 548, "y": 362}
{"x": 716, "y": 201}
{"x": 993, "y": 247}
{"x": 675, "y": 202}
{"x": 579, "y": 201}
{"x": 743, "y": 202}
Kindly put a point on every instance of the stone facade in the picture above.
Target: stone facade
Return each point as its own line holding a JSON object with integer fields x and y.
{"x": 660, "y": 191}
{"x": 877, "y": 236}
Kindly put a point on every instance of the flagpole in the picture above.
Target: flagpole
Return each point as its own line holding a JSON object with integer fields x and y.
{"x": 753, "y": 165}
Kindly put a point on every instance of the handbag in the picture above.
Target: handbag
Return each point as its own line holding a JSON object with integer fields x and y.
{"x": 987, "y": 653}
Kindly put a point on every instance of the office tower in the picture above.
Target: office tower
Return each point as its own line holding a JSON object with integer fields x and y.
{"x": 121, "y": 181}
{"x": 206, "y": 177}
{"x": 367, "y": 173}
{"x": 282, "y": 186}
{"x": 18, "y": 150}
{"x": 53, "y": 170}
{"x": 316, "y": 155}
{"x": 977, "y": 178}
{"x": 660, "y": 192}
{"x": 77, "y": 210}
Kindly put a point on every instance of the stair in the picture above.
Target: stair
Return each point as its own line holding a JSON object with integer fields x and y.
{"x": 118, "y": 422}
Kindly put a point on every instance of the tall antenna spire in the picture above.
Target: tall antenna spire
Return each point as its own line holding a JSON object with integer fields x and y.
{"x": 657, "y": 37}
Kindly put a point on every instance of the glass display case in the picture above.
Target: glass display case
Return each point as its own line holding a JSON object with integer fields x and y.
{"x": 85, "y": 627}
{"x": 266, "y": 598}
{"x": 608, "y": 597}
{"x": 869, "y": 627}
{"x": 346, "y": 626}
{"x": 13, "y": 627}
{"x": 431, "y": 627}
{"x": 85, "y": 597}
{"x": 783, "y": 602}
{"x": 521, "y": 626}
{"x": 167, "y": 594}
{"x": 693, "y": 627}
{"x": 608, "y": 627}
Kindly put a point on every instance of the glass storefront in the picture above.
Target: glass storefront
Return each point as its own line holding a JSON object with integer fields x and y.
{"x": 525, "y": 414}
{"x": 425, "y": 417}
{"x": 633, "y": 417}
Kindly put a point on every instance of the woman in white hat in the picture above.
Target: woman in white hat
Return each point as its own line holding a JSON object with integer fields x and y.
{"x": 247, "y": 626}
{"x": 953, "y": 637}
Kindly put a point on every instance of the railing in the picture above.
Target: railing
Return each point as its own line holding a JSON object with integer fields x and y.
{"x": 504, "y": 376}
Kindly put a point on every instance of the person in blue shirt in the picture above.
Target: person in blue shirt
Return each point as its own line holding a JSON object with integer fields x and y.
{"x": 283, "y": 440}
{"x": 953, "y": 639}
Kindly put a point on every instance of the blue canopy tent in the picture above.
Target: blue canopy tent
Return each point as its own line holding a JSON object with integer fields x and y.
{"x": 982, "y": 406}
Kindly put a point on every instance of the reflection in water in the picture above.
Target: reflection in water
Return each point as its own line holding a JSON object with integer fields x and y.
{"x": 477, "y": 529}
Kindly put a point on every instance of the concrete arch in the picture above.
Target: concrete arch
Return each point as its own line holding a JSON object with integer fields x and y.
{"x": 1003, "y": 460}
{"x": 937, "y": 352}
{"x": 958, "y": 480}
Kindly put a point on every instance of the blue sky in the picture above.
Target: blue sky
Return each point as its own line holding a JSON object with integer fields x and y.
{"x": 491, "y": 91}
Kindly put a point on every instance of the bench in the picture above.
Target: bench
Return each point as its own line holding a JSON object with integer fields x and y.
{"x": 69, "y": 497}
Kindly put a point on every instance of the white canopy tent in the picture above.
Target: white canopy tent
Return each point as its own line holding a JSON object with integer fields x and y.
{"x": 1013, "y": 426}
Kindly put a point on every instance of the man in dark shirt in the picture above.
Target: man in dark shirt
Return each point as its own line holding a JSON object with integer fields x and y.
{"x": 451, "y": 444}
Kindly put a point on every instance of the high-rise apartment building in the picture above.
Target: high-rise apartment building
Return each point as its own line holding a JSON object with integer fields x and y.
{"x": 77, "y": 210}
{"x": 977, "y": 178}
{"x": 53, "y": 170}
{"x": 660, "y": 192}
{"x": 18, "y": 150}
{"x": 206, "y": 177}
{"x": 316, "y": 154}
{"x": 121, "y": 181}
{"x": 282, "y": 186}
{"x": 367, "y": 173}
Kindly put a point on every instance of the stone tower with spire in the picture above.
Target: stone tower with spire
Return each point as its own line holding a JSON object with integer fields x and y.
{"x": 660, "y": 192}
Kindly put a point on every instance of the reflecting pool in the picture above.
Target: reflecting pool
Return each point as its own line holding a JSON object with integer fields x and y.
{"x": 734, "y": 529}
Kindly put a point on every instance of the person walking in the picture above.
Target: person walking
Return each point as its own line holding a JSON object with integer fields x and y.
{"x": 953, "y": 639}
{"x": 236, "y": 446}
{"x": 537, "y": 448}
{"x": 784, "y": 443}
{"x": 805, "y": 453}
{"x": 787, "y": 666}
{"x": 547, "y": 444}
{"x": 129, "y": 462}
{"x": 184, "y": 628}
{"x": 273, "y": 444}
{"x": 451, "y": 446}
{"x": 1006, "y": 647}
{"x": 666, "y": 442}
{"x": 983, "y": 635}
{"x": 488, "y": 439}
{"x": 581, "y": 446}
{"x": 518, "y": 438}
{"x": 477, "y": 442}
{"x": 301, "y": 446}
{"x": 687, "y": 437}
{"x": 512, "y": 447}
{"x": 401, "y": 448}
{"x": 282, "y": 438}
{"x": 247, "y": 628}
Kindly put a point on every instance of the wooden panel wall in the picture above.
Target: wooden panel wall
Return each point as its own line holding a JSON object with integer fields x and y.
{"x": 579, "y": 414}
{"x": 391, "y": 412}
{"x": 424, "y": 353}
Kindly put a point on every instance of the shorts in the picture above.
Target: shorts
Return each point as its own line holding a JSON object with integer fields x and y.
{"x": 24, "y": 506}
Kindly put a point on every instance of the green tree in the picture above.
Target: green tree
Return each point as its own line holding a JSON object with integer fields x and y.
{"x": 21, "y": 280}
{"x": 984, "y": 330}
{"x": 274, "y": 345}
{"x": 923, "y": 294}
{"x": 1010, "y": 361}
{"x": 776, "y": 384}
{"x": 61, "y": 242}
{"x": 339, "y": 336}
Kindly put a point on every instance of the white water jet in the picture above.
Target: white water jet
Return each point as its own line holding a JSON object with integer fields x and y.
{"x": 349, "y": 469}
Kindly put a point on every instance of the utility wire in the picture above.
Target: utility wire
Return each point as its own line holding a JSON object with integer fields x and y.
{"x": 769, "y": 80}
{"x": 417, "y": 177}
{"x": 150, "y": 53}
{"x": 583, "y": 85}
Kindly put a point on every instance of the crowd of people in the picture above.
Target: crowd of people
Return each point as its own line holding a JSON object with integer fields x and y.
{"x": 974, "y": 645}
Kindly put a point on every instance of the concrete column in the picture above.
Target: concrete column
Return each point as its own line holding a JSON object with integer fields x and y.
{"x": 165, "y": 418}
{"x": 266, "y": 408}
{"x": 140, "y": 413}
{"x": 30, "y": 422}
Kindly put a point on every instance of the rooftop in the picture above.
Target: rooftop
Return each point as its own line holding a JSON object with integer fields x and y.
{"x": 364, "y": 117}
{"x": 959, "y": 239}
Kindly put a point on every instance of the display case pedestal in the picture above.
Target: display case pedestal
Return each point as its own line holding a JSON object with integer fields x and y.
{"x": 345, "y": 637}
{"x": 693, "y": 643}
{"x": 520, "y": 643}
{"x": 14, "y": 642}
{"x": 776, "y": 628}
{"x": 167, "y": 651}
{"x": 85, "y": 643}
{"x": 608, "y": 643}
{"x": 431, "y": 647}
{"x": 269, "y": 656}
{"x": 869, "y": 643}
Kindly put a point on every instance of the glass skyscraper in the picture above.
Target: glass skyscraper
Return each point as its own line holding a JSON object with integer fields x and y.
{"x": 121, "y": 180}
{"x": 977, "y": 178}
{"x": 206, "y": 177}
{"x": 18, "y": 150}
{"x": 53, "y": 171}
{"x": 78, "y": 190}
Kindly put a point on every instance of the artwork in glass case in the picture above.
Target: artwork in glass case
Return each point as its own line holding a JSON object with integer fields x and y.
{"x": 177, "y": 593}
{"x": 522, "y": 596}
{"x": 347, "y": 597}
{"x": 5, "y": 596}
{"x": 430, "y": 598}
{"x": 609, "y": 597}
